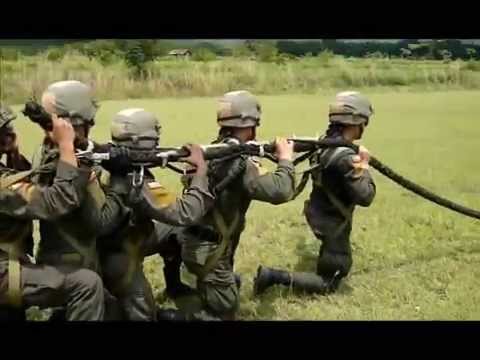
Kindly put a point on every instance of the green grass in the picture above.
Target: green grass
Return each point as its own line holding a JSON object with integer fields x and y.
{"x": 177, "y": 78}
{"x": 412, "y": 259}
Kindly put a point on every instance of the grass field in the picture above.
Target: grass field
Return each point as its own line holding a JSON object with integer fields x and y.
{"x": 323, "y": 74}
{"x": 412, "y": 259}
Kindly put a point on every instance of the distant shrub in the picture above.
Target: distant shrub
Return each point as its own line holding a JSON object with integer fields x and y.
{"x": 55, "y": 54}
{"x": 203, "y": 54}
{"x": 9, "y": 54}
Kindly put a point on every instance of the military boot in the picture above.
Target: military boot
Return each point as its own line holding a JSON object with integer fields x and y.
{"x": 58, "y": 314}
{"x": 174, "y": 285}
{"x": 170, "y": 315}
{"x": 267, "y": 277}
{"x": 311, "y": 283}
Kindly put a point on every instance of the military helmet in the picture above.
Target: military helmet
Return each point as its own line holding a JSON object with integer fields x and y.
{"x": 73, "y": 99}
{"x": 6, "y": 115}
{"x": 350, "y": 108}
{"x": 135, "y": 128}
{"x": 238, "y": 109}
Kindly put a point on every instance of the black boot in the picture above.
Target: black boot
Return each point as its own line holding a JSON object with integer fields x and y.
{"x": 170, "y": 315}
{"x": 174, "y": 285}
{"x": 314, "y": 284}
{"x": 267, "y": 277}
{"x": 59, "y": 314}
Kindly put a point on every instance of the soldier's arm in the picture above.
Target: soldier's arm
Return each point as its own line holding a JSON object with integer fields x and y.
{"x": 26, "y": 200}
{"x": 358, "y": 183}
{"x": 112, "y": 209}
{"x": 186, "y": 210}
{"x": 112, "y": 214}
{"x": 274, "y": 187}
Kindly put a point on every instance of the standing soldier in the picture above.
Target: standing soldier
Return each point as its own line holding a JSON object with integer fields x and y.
{"x": 123, "y": 251}
{"x": 208, "y": 249}
{"x": 341, "y": 180}
{"x": 23, "y": 284}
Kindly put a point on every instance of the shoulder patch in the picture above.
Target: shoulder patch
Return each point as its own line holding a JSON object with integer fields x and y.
{"x": 161, "y": 195}
{"x": 257, "y": 165}
{"x": 154, "y": 185}
{"x": 104, "y": 178}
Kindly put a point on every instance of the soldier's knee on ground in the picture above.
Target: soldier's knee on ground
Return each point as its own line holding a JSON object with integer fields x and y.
{"x": 329, "y": 264}
{"x": 86, "y": 295}
{"x": 87, "y": 282}
{"x": 222, "y": 301}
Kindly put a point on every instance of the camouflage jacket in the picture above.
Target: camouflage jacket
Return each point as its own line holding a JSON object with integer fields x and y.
{"x": 22, "y": 201}
{"x": 336, "y": 174}
{"x": 231, "y": 205}
{"x": 156, "y": 203}
{"x": 337, "y": 188}
{"x": 76, "y": 233}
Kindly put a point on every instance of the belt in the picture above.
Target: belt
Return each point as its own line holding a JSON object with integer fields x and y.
{"x": 60, "y": 259}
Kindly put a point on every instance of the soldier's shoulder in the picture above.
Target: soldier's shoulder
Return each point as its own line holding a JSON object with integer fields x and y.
{"x": 341, "y": 157}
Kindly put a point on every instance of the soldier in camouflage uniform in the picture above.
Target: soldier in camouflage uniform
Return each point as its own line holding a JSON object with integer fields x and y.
{"x": 341, "y": 181}
{"x": 72, "y": 239}
{"x": 123, "y": 251}
{"x": 22, "y": 283}
{"x": 208, "y": 249}
{"x": 9, "y": 142}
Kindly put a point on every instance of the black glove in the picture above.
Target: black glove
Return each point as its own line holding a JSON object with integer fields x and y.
{"x": 119, "y": 162}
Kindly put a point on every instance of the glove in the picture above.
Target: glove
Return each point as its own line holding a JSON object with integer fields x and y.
{"x": 119, "y": 162}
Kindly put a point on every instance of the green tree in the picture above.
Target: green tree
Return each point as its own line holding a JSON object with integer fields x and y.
{"x": 471, "y": 52}
{"x": 136, "y": 60}
{"x": 55, "y": 54}
{"x": 203, "y": 54}
{"x": 241, "y": 51}
{"x": 266, "y": 51}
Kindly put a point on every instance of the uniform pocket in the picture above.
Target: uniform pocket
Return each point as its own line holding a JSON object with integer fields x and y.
{"x": 195, "y": 252}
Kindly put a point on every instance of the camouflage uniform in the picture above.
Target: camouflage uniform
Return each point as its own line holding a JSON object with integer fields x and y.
{"x": 14, "y": 160}
{"x": 208, "y": 249}
{"x": 338, "y": 186}
{"x": 24, "y": 284}
{"x": 123, "y": 251}
{"x": 72, "y": 239}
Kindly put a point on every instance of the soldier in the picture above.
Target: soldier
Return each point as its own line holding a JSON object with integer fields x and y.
{"x": 22, "y": 283}
{"x": 341, "y": 181}
{"x": 208, "y": 249}
{"x": 72, "y": 239}
{"x": 9, "y": 142}
{"x": 123, "y": 251}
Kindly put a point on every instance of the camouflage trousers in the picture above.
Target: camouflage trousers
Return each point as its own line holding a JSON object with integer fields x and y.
{"x": 124, "y": 278}
{"x": 217, "y": 295}
{"x": 78, "y": 290}
{"x": 335, "y": 253}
